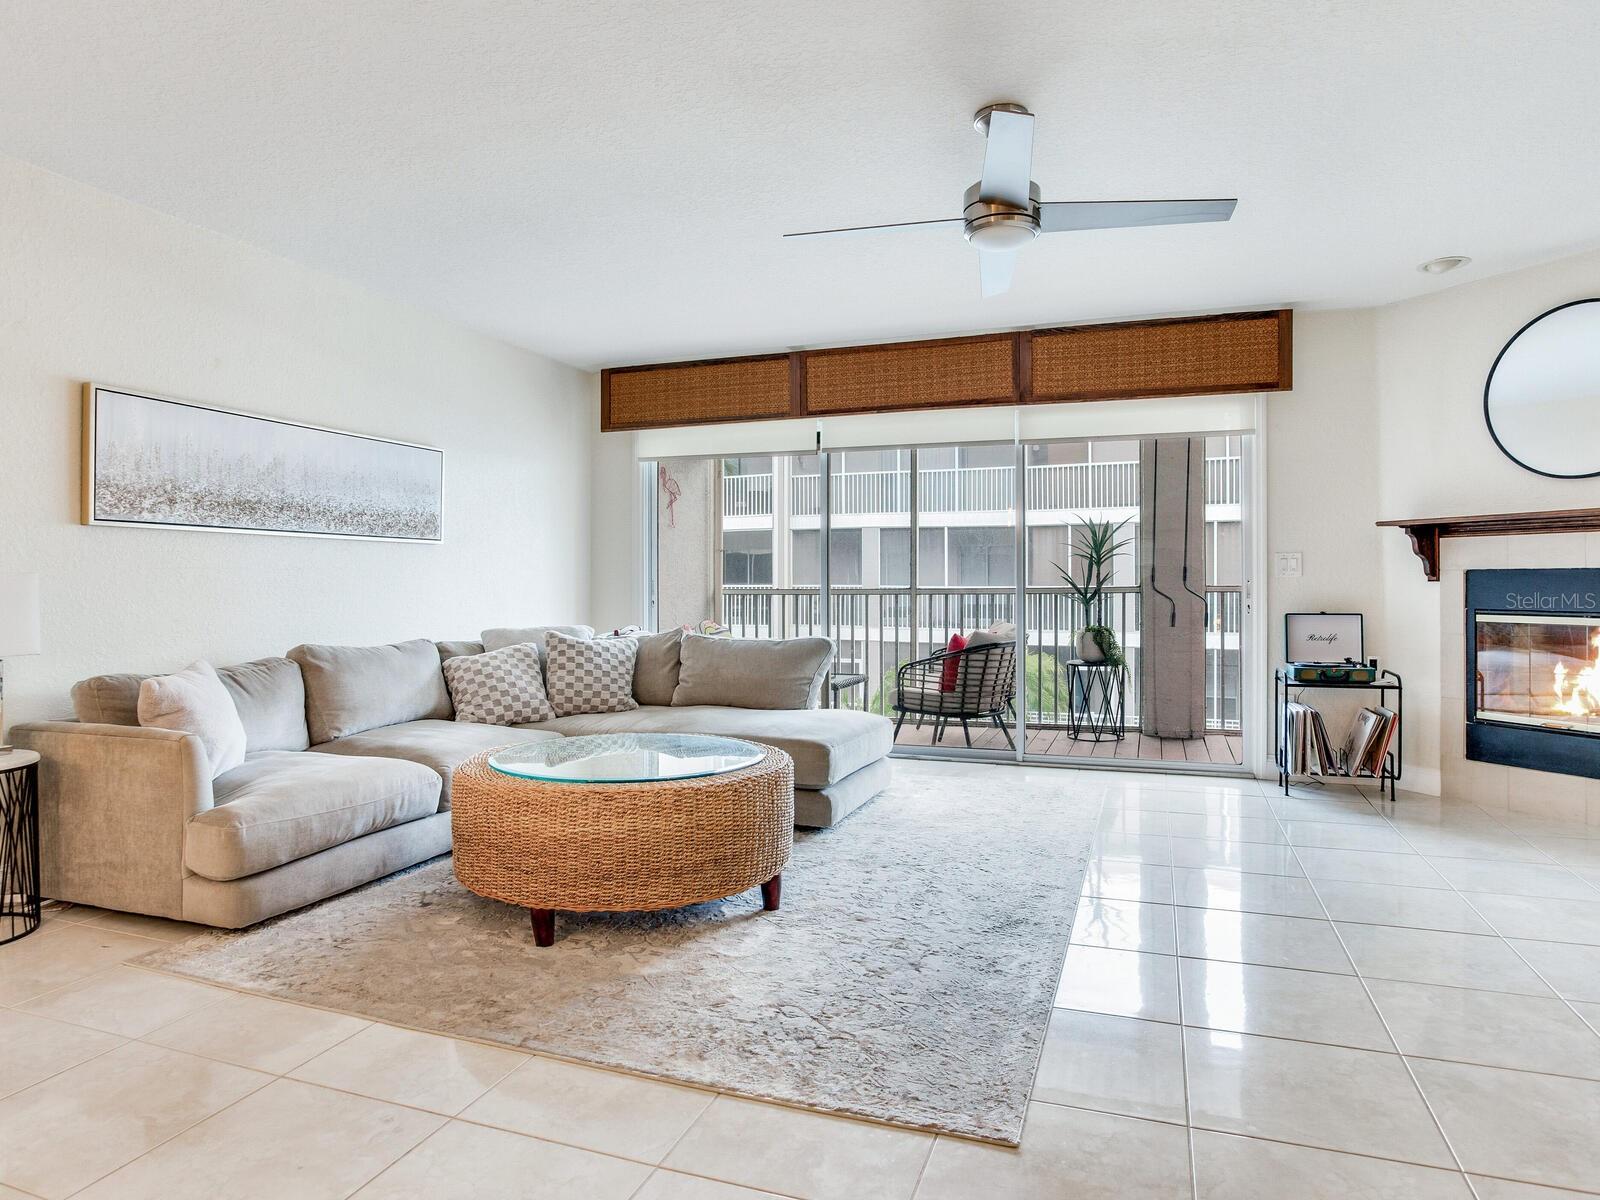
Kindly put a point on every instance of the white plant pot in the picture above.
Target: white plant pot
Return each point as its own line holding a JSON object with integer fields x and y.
{"x": 1089, "y": 649}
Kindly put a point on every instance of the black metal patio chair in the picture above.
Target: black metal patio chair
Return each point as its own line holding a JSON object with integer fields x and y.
{"x": 984, "y": 688}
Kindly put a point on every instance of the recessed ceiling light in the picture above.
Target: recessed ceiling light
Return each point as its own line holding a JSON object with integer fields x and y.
{"x": 1438, "y": 266}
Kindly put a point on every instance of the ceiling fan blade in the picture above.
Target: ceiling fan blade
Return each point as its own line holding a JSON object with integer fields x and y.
{"x": 1062, "y": 216}
{"x": 994, "y": 270}
{"x": 875, "y": 228}
{"x": 1008, "y": 159}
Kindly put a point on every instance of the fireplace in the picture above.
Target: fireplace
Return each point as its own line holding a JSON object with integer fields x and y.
{"x": 1533, "y": 669}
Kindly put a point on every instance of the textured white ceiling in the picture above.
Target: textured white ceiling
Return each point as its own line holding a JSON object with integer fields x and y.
{"x": 607, "y": 183}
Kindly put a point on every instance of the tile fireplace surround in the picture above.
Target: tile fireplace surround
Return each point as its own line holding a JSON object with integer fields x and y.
{"x": 1561, "y": 797}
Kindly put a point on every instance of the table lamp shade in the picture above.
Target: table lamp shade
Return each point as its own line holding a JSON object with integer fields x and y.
{"x": 19, "y": 614}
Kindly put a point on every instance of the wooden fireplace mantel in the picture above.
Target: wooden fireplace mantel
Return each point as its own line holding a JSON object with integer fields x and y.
{"x": 1426, "y": 532}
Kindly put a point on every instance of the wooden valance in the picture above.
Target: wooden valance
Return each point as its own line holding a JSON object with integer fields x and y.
{"x": 1246, "y": 352}
{"x": 957, "y": 372}
{"x": 1183, "y": 356}
{"x": 1427, "y": 532}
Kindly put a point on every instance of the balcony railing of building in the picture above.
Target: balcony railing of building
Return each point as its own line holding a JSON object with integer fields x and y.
{"x": 1051, "y": 486}
{"x": 877, "y": 629}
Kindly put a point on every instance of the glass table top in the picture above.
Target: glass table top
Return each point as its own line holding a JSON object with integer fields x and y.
{"x": 626, "y": 758}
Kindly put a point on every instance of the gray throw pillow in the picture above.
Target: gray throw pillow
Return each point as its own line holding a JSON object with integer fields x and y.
{"x": 655, "y": 670}
{"x": 457, "y": 649}
{"x": 499, "y": 639}
{"x": 501, "y": 687}
{"x": 587, "y": 676}
{"x": 737, "y": 673}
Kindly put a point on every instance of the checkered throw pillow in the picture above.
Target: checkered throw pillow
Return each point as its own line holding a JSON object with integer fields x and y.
{"x": 589, "y": 677}
{"x": 502, "y": 687}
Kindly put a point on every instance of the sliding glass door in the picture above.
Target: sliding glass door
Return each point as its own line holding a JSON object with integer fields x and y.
{"x": 893, "y": 552}
{"x": 1169, "y": 598}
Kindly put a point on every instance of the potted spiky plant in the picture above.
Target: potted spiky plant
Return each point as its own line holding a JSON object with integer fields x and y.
{"x": 1101, "y": 543}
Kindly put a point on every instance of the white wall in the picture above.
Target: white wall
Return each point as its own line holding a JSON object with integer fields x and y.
{"x": 1386, "y": 422}
{"x": 96, "y": 288}
{"x": 1436, "y": 458}
{"x": 1321, "y": 496}
{"x": 615, "y": 589}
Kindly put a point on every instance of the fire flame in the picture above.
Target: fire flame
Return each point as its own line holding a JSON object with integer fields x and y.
{"x": 1581, "y": 696}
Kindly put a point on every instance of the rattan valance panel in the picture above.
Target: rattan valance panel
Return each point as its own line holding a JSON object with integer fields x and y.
{"x": 1246, "y": 352}
{"x": 960, "y": 371}
{"x": 744, "y": 389}
{"x": 1236, "y": 352}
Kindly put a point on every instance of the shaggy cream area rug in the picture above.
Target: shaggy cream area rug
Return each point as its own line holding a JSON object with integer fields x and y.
{"x": 908, "y": 977}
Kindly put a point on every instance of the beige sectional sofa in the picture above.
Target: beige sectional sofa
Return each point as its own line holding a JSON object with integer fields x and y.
{"x": 346, "y": 778}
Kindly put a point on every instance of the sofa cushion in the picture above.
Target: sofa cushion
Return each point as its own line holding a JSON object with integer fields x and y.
{"x": 582, "y": 675}
{"x": 818, "y": 808}
{"x": 194, "y": 701}
{"x": 442, "y": 746}
{"x": 271, "y": 698}
{"x": 279, "y": 806}
{"x": 655, "y": 668}
{"x": 742, "y": 673}
{"x": 449, "y": 650}
{"x": 496, "y": 639}
{"x": 826, "y": 743}
{"x": 107, "y": 699}
{"x": 499, "y": 687}
{"x": 350, "y": 689}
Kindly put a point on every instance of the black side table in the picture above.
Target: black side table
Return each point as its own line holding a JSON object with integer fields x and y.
{"x": 19, "y": 845}
{"x": 1096, "y": 706}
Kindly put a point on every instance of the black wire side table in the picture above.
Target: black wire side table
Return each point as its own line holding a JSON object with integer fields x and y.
{"x": 1096, "y": 700}
{"x": 20, "y": 903}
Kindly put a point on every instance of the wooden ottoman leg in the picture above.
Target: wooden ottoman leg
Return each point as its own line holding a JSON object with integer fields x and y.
{"x": 772, "y": 892}
{"x": 544, "y": 926}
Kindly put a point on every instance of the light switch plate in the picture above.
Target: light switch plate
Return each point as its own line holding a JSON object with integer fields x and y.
{"x": 1286, "y": 564}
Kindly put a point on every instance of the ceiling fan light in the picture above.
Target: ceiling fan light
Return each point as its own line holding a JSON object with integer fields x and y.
{"x": 1002, "y": 234}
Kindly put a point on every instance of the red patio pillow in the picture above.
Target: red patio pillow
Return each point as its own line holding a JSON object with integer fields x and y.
{"x": 947, "y": 680}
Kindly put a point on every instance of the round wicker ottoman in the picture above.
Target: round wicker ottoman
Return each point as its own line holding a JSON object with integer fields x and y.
{"x": 617, "y": 847}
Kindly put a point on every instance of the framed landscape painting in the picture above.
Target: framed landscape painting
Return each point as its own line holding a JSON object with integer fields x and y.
{"x": 151, "y": 460}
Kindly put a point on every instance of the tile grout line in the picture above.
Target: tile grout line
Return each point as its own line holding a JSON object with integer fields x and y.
{"x": 1466, "y": 898}
{"x": 1393, "y": 1041}
{"x": 1183, "y": 1050}
{"x": 1182, "y": 1026}
{"x": 73, "y": 1066}
{"x": 1275, "y": 1141}
{"x": 933, "y": 1142}
{"x": 222, "y": 994}
{"x": 654, "y": 1167}
{"x": 270, "y": 1080}
{"x": 399, "y": 1158}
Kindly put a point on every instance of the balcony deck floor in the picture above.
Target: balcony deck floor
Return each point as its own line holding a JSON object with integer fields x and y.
{"x": 1220, "y": 749}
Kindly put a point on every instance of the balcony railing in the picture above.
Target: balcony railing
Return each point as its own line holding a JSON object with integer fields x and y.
{"x": 877, "y": 629}
{"x": 747, "y": 495}
{"x": 1051, "y": 486}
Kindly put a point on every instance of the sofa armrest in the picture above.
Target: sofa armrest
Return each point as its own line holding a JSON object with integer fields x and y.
{"x": 113, "y": 804}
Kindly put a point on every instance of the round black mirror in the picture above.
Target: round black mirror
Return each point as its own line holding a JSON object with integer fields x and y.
{"x": 1542, "y": 399}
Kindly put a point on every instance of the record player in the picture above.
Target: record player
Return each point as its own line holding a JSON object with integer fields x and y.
{"x": 1325, "y": 647}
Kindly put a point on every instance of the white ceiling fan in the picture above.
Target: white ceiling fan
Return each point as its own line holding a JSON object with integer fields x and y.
{"x": 1002, "y": 212}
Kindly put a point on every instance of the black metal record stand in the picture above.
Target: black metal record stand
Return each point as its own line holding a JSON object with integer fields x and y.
{"x": 1386, "y": 682}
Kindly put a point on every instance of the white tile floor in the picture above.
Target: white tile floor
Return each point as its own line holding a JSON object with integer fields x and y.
{"x": 1316, "y": 996}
